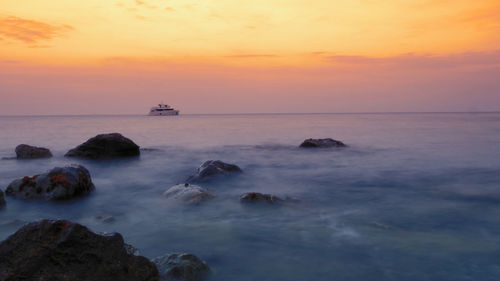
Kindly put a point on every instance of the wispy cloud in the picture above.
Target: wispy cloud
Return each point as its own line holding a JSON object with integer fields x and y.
{"x": 245, "y": 56}
{"x": 144, "y": 4}
{"x": 31, "y": 32}
{"x": 422, "y": 61}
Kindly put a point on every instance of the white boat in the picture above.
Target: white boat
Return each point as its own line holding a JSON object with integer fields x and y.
{"x": 163, "y": 110}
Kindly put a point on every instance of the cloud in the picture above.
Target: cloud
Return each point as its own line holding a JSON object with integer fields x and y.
{"x": 31, "y": 32}
{"x": 244, "y": 56}
{"x": 490, "y": 58}
{"x": 144, "y": 4}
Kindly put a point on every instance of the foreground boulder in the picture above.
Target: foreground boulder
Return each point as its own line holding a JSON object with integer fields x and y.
{"x": 181, "y": 267}
{"x": 213, "y": 168}
{"x": 58, "y": 184}
{"x": 24, "y": 151}
{"x": 188, "y": 193}
{"x": 63, "y": 250}
{"x": 256, "y": 197}
{"x": 105, "y": 146}
{"x": 2, "y": 199}
{"x": 322, "y": 143}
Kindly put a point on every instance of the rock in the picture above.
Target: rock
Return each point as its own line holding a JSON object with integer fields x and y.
{"x": 24, "y": 151}
{"x": 256, "y": 197}
{"x": 181, "y": 267}
{"x": 213, "y": 168}
{"x": 105, "y": 146}
{"x": 322, "y": 143}
{"x": 9, "y": 158}
{"x": 62, "y": 250}
{"x": 57, "y": 184}
{"x": 2, "y": 199}
{"x": 188, "y": 193}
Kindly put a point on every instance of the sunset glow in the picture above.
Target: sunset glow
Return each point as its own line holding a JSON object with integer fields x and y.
{"x": 341, "y": 42}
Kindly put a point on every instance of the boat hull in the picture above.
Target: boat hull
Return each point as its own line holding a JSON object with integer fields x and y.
{"x": 164, "y": 113}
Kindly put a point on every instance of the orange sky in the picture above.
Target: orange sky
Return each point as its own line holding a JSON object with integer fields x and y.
{"x": 225, "y": 56}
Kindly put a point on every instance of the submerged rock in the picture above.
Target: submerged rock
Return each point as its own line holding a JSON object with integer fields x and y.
{"x": 181, "y": 267}
{"x": 9, "y": 158}
{"x": 24, "y": 151}
{"x": 63, "y": 250}
{"x": 58, "y": 184}
{"x": 2, "y": 199}
{"x": 328, "y": 142}
{"x": 105, "y": 146}
{"x": 256, "y": 197}
{"x": 213, "y": 168}
{"x": 188, "y": 193}
{"x": 106, "y": 219}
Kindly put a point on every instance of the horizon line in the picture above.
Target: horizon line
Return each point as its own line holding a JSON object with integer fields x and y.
{"x": 260, "y": 113}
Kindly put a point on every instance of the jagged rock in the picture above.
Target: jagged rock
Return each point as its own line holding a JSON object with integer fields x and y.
{"x": 2, "y": 199}
{"x": 322, "y": 143}
{"x": 188, "y": 193}
{"x": 65, "y": 251}
{"x": 24, "y": 151}
{"x": 181, "y": 267}
{"x": 57, "y": 184}
{"x": 105, "y": 146}
{"x": 256, "y": 197}
{"x": 213, "y": 168}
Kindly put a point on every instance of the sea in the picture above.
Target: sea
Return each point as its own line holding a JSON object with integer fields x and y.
{"x": 414, "y": 196}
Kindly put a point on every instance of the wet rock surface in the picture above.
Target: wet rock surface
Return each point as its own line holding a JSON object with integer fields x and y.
{"x": 24, "y": 151}
{"x": 2, "y": 199}
{"x": 60, "y": 183}
{"x": 188, "y": 193}
{"x": 212, "y": 168}
{"x": 328, "y": 142}
{"x": 181, "y": 267}
{"x": 105, "y": 146}
{"x": 256, "y": 197}
{"x": 63, "y": 250}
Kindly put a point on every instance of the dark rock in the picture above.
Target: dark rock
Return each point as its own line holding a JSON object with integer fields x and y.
{"x": 181, "y": 267}
{"x": 188, "y": 193}
{"x": 322, "y": 143}
{"x": 213, "y": 168}
{"x": 105, "y": 146}
{"x": 58, "y": 184}
{"x": 24, "y": 151}
{"x": 2, "y": 199}
{"x": 66, "y": 251}
{"x": 256, "y": 197}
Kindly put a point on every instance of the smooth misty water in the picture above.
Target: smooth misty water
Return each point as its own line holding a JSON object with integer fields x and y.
{"x": 414, "y": 197}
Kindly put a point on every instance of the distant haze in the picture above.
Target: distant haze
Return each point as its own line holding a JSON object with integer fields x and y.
{"x": 250, "y": 57}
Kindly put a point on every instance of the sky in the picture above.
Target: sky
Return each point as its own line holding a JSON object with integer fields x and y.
{"x": 259, "y": 56}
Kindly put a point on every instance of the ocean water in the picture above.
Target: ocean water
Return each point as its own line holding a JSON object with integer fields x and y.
{"x": 413, "y": 197}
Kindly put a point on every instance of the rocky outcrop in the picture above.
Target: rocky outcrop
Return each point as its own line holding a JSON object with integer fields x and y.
{"x": 322, "y": 143}
{"x": 58, "y": 184}
{"x": 2, "y": 199}
{"x": 62, "y": 250}
{"x": 181, "y": 267}
{"x": 213, "y": 168}
{"x": 256, "y": 197}
{"x": 105, "y": 146}
{"x": 24, "y": 151}
{"x": 188, "y": 193}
